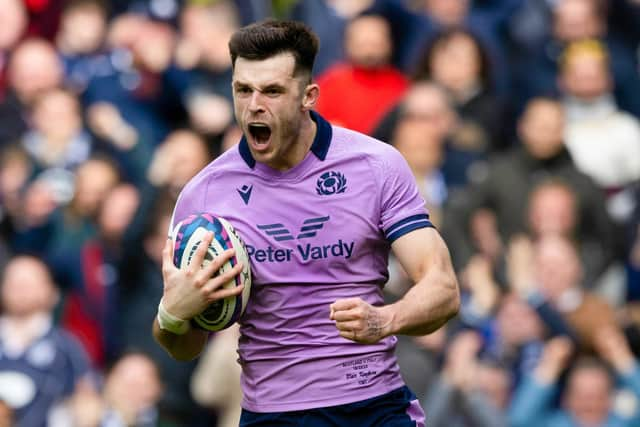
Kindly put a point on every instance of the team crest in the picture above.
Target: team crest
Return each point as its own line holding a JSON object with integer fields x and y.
{"x": 331, "y": 183}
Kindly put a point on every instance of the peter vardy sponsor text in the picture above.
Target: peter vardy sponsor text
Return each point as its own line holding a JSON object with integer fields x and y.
{"x": 305, "y": 252}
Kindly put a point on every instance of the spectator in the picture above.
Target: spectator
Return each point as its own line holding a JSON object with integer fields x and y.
{"x": 40, "y": 365}
{"x": 428, "y": 104}
{"x": 59, "y": 234}
{"x": 507, "y": 183}
{"x": 455, "y": 59}
{"x": 485, "y": 19}
{"x": 594, "y": 120}
{"x": 202, "y": 51}
{"x": 587, "y": 399}
{"x": 595, "y": 124}
{"x": 182, "y": 154}
{"x": 81, "y": 42}
{"x": 373, "y": 84}
{"x": 552, "y": 271}
{"x": 462, "y": 396}
{"x": 553, "y": 209}
{"x": 132, "y": 391}
{"x": 142, "y": 52}
{"x": 119, "y": 139}
{"x": 34, "y": 67}
{"x": 513, "y": 337}
{"x": 140, "y": 281}
{"x": 92, "y": 306}
{"x": 575, "y": 20}
{"x": 57, "y": 143}
{"x": 68, "y": 231}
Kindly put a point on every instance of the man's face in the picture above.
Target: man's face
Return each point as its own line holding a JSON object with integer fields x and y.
{"x": 586, "y": 77}
{"x": 542, "y": 129}
{"x": 557, "y": 266}
{"x": 368, "y": 42}
{"x": 268, "y": 103}
{"x": 26, "y": 288}
{"x": 429, "y": 104}
{"x": 57, "y": 115}
{"x": 33, "y": 69}
{"x": 587, "y": 395}
{"x": 83, "y": 28}
{"x": 456, "y": 63}
{"x": 447, "y": 12}
{"x": 419, "y": 144}
{"x": 552, "y": 210}
{"x": 576, "y": 19}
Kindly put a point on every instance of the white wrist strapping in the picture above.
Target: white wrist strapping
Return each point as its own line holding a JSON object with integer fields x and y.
{"x": 171, "y": 323}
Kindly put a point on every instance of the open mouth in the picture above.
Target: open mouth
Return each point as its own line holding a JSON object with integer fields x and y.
{"x": 260, "y": 132}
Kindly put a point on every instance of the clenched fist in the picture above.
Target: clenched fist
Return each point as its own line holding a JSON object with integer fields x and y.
{"x": 360, "y": 321}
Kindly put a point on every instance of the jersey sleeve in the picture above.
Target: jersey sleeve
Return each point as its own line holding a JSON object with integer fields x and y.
{"x": 190, "y": 201}
{"x": 402, "y": 208}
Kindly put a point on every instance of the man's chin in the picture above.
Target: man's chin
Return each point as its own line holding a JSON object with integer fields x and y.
{"x": 262, "y": 156}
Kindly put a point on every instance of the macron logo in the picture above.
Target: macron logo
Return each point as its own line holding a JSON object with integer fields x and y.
{"x": 245, "y": 193}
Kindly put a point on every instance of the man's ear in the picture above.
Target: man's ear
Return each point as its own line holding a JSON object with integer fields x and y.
{"x": 310, "y": 97}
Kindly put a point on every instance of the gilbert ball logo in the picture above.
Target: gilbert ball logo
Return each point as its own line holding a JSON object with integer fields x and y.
{"x": 331, "y": 183}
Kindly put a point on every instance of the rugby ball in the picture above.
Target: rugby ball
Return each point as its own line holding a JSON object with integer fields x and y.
{"x": 187, "y": 236}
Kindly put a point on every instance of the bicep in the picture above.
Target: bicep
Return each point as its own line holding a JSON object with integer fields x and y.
{"x": 421, "y": 250}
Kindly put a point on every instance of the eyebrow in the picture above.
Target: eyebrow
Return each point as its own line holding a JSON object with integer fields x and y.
{"x": 270, "y": 86}
{"x": 274, "y": 86}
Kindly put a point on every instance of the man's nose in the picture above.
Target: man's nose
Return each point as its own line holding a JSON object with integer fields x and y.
{"x": 255, "y": 103}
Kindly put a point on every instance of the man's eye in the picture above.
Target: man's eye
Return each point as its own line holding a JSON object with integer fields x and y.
{"x": 243, "y": 90}
{"x": 272, "y": 92}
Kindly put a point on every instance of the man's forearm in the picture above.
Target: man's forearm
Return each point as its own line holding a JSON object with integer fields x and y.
{"x": 426, "y": 306}
{"x": 181, "y": 347}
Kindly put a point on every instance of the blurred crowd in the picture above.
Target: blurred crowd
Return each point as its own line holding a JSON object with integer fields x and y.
{"x": 519, "y": 119}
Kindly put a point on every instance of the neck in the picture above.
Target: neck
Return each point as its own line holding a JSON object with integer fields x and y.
{"x": 18, "y": 331}
{"x": 597, "y": 107}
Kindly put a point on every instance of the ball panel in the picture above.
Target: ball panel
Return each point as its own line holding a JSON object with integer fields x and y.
{"x": 243, "y": 257}
{"x": 220, "y": 313}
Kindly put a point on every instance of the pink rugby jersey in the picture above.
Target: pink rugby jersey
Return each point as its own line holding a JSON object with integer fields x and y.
{"x": 316, "y": 233}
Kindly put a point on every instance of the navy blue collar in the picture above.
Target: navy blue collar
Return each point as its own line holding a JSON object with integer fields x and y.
{"x": 320, "y": 146}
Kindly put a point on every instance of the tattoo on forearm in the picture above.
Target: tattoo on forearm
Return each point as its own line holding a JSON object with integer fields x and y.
{"x": 374, "y": 327}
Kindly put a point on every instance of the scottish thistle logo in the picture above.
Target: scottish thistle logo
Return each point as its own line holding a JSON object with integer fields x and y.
{"x": 331, "y": 183}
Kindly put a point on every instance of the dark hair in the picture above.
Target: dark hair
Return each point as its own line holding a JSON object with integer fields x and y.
{"x": 265, "y": 39}
{"x": 423, "y": 68}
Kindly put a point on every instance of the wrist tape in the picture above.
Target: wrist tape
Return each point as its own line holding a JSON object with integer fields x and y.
{"x": 171, "y": 323}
